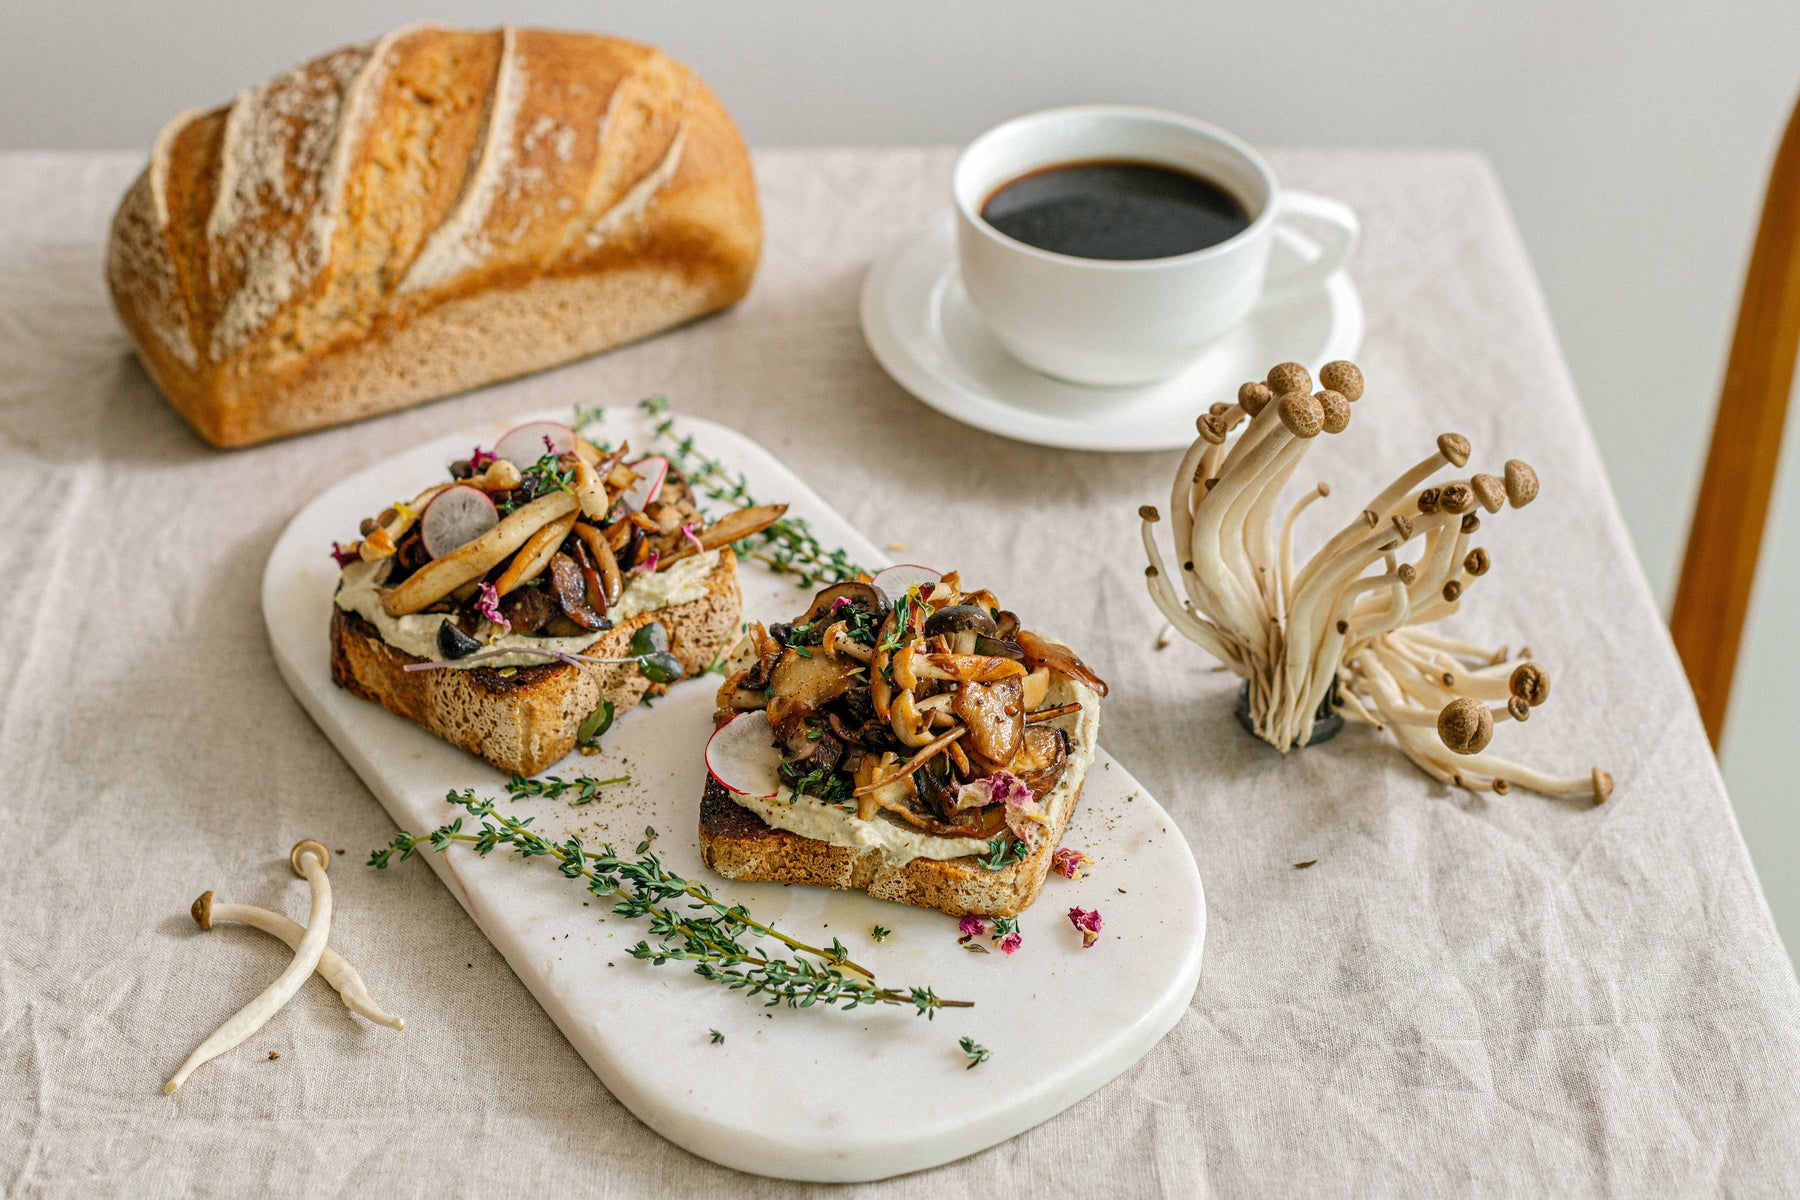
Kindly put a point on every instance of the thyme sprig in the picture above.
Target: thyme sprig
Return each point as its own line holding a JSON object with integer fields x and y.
{"x": 710, "y": 933}
{"x": 974, "y": 1051}
{"x": 788, "y": 547}
{"x": 1004, "y": 851}
{"x": 554, "y": 787}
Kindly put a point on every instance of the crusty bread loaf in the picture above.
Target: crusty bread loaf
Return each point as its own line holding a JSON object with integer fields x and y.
{"x": 527, "y": 720}
{"x": 738, "y": 844}
{"x": 434, "y": 211}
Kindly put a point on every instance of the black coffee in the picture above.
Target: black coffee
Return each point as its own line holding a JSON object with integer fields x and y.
{"x": 1115, "y": 210}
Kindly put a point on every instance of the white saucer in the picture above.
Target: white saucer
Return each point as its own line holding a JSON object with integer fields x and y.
{"x": 922, "y": 329}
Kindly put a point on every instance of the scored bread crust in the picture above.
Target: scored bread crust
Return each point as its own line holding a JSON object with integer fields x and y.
{"x": 738, "y": 844}
{"x": 527, "y": 721}
{"x": 438, "y": 210}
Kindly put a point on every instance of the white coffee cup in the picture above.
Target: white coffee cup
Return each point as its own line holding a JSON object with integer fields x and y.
{"x": 1115, "y": 322}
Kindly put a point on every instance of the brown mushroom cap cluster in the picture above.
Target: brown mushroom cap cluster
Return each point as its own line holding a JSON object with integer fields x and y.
{"x": 1353, "y": 617}
{"x": 893, "y": 706}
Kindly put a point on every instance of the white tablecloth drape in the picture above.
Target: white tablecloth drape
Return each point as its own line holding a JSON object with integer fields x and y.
{"x": 1465, "y": 995}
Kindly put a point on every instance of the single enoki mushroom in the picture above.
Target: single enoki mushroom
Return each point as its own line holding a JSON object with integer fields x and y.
{"x": 310, "y": 860}
{"x": 333, "y": 968}
{"x": 1353, "y": 622}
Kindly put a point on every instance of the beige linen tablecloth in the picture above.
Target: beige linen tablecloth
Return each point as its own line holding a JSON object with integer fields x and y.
{"x": 1465, "y": 995}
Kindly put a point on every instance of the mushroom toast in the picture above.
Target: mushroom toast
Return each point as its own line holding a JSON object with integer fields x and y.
{"x": 903, "y": 737}
{"x": 514, "y": 606}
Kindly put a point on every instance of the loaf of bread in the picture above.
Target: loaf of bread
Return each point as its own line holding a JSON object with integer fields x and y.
{"x": 437, "y": 210}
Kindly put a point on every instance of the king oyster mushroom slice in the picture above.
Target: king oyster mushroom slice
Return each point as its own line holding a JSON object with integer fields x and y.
{"x": 310, "y": 860}
{"x": 570, "y": 589}
{"x": 534, "y": 556}
{"x": 995, "y": 716}
{"x": 469, "y": 562}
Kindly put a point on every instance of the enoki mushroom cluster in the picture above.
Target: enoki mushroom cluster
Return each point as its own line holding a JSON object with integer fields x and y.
{"x": 1350, "y": 629}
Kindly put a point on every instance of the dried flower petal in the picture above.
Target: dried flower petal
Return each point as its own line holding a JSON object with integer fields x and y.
{"x": 972, "y": 926}
{"x": 687, "y": 531}
{"x": 345, "y": 555}
{"x": 480, "y": 458}
{"x": 487, "y": 603}
{"x": 1010, "y": 943}
{"x": 1070, "y": 864}
{"x": 648, "y": 565}
{"x": 1088, "y": 923}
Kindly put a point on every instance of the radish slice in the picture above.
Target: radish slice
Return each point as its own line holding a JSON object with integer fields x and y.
{"x": 741, "y": 755}
{"x": 896, "y": 579}
{"x": 650, "y": 472}
{"x": 456, "y": 516}
{"x": 523, "y": 445}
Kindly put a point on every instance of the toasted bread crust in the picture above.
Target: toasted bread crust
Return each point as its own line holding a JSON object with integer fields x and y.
{"x": 738, "y": 844}
{"x": 527, "y": 720}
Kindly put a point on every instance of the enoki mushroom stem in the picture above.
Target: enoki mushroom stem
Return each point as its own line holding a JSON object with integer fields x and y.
{"x": 310, "y": 860}
{"x": 334, "y": 968}
{"x": 1352, "y": 616}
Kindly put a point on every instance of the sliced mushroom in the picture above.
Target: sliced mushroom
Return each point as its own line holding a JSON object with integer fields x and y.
{"x": 570, "y": 590}
{"x": 961, "y": 623}
{"x": 1041, "y": 759}
{"x": 528, "y": 610}
{"x": 864, "y": 595}
{"x": 1041, "y": 652}
{"x": 471, "y": 561}
{"x": 801, "y": 684}
{"x": 605, "y": 561}
{"x": 535, "y": 555}
{"x": 995, "y": 715}
{"x": 965, "y": 668}
{"x": 727, "y": 529}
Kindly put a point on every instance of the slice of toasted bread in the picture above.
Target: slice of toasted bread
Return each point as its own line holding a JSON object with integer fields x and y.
{"x": 738, "y": 844}
{"x": 525, "y": 719}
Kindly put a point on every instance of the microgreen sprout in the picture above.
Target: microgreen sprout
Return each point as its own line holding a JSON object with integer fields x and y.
{"x": 714, "y": 936}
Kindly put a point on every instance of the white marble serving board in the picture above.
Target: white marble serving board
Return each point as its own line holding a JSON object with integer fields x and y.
{"x": 813, "y": 1094}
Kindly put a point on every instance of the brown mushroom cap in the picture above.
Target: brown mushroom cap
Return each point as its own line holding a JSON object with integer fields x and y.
{"x": 202, "y": 910}
{"x": 1517, "y": 709}
{"x": 1456, "y": 498}
{"x": 1253, "y": 397}
{"x": 1402, "y": 526}
{"x": 1521, "y": 483}
{"x": 1288, "y": 377}
{"x": 1530, "y": 683}
{"x": 1489, "y": 491}
{"x": 1465, "y": 726}
{"x": 304, "y": 847}
{"x": 1470, "y": 523}
{"x": 1406, "y": 573}
{"x": 1302, "y": 413}
{"x": 1454, "y": 447}
{"x": 1603, "y": 786}
{"x": 1428, "y": 500}
{"x": 1343, "y": 377}
{"x": 1336, "y": 408}
{"x": 1211, "y": 428}
{"x": 1452, "y": 589}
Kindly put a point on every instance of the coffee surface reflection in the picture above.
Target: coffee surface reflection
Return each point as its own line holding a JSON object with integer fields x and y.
{"x": 1115, "y": 209}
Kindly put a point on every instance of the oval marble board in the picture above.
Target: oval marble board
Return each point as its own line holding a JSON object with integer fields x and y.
{"x": 813, "y": 1094}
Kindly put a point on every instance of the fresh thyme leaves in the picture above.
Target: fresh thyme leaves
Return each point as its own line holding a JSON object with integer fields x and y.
{"x": 1004, "y": 851}
{"x": 716, "y": 937}
{"x": 829, "y": 786}
{"x": 542, "y": 477}
{"x": 718, "y": 1039}
{"x": 787, "y": 547}
{"x": 974, "y": 1051}
{"x": 587, "y": 416}
{"x": 649, "y": 836}
{"x": 585, "y": 788}
{"x": 587, "y": 735}
{"x": 861, "y": 624}
{"x": 881, "y": 933}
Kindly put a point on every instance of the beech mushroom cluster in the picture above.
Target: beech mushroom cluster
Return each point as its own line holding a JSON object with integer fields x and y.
{"x": 1349, "y": 630}
{"x": 310, "y": 860}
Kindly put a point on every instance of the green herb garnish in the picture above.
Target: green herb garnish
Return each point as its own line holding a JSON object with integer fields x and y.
{"x": 974, "y": 1051}
{"x": 1004, "y": 851}
{"x": 586, "y": 789}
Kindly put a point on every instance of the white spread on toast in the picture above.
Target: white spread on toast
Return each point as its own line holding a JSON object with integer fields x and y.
{"x": 416, "y": 634}
{"x": 899, "y": 843}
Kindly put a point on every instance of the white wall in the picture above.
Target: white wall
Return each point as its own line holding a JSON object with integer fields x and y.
{"x": 1632, "y": 138}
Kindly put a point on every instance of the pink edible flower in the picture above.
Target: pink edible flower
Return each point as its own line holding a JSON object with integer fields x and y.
{"x": 487, "y": 603}
{"x": 972, "y": 926}
{"x": 1087, "y": 922}
{"x": 648, "y": 565}
{"x": 1070, "y": 864}
{"x": 840, "y": 604}
{"x": 479, "y": 458}
{"x": 1010, "y": 943}
{"x": 687, "y": 531}
{"x": 345, "y": 555}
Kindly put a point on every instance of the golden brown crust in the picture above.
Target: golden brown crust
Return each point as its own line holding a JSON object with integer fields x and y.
{"x": 527, "y": 720}
{"x": 738, "y": 844}
{"x": 444, "y": 209}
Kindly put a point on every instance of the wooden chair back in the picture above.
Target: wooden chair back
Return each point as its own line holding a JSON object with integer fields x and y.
{"x": 1727, "y": 531}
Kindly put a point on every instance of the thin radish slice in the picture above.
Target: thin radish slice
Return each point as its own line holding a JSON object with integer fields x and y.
{"x": 897, "y": 579}
{"x": 650, "y": 473}
{"x": 455, "y": 517}
{"x": 741, "y": 755}
{"x": 523, "y": 445}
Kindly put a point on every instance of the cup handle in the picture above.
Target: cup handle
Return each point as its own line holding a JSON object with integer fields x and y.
{"x": 1337, "y": 217}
